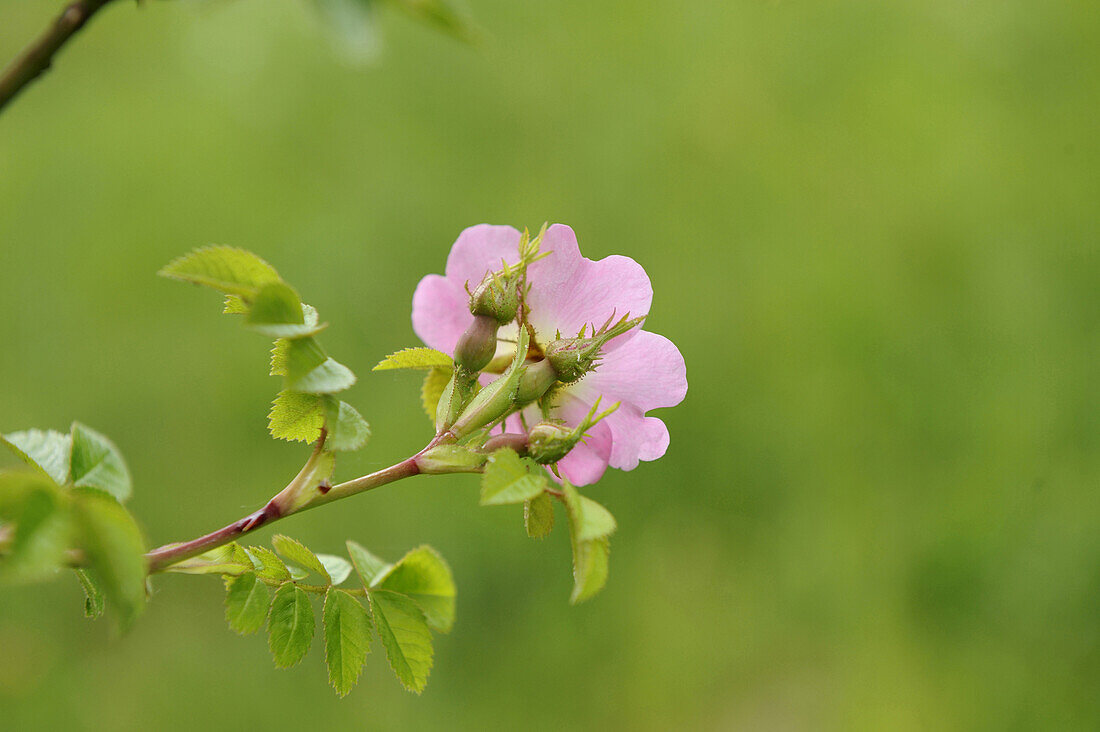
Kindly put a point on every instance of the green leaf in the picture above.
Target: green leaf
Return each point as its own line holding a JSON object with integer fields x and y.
{"x": 347, "y": 639}
{"x": 308, "y": 369}
{"x": 423, "y": 575}
{"x": 97, "y": 463}
{"x": 588, "y": 520}
{"x": 43, "y": 532}
{"x": 538, "y": 516}
{"x": 93, "y": 597}
{"x": 508, "y": 479}
{"x": 280, "y": 352}
{"x": 347, "y": 430}
{"x": 405, "y": 636}
{"x": 369, "y": 567}
{"x": 46, "y": 450}
{"x": 590, "y": 567}
{"x": 338, "y": 568}
{"x": 234, "y": 305}
{"x": 246, "y": 602}
{"x": 230, "y": 559}
{"x": 295, "y": 551}
{"x": 435, "y": 381}
{"x": 270, "y": 566}
{"x": 228, "y": 269}
{"x": 277, "y": 312}
{"x": 296, "y": 416}
{"x": 290, "y": 626}
{"x": 589, "y": 526}
{"x": 415, "y": 358}
{"x": 115, "y": 550}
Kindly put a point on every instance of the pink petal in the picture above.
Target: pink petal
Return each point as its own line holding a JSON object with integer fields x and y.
{"x": 480, "y": 249}
{"x": 591, "y": 293}
{"x": 646, "y": 371}
{"x": 440, "y": 313}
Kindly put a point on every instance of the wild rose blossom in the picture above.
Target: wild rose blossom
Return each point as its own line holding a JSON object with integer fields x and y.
{"x": 639, "y": 370}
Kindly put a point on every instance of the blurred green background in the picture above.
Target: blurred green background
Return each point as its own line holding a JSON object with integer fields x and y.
{"x": 871, "y": 228}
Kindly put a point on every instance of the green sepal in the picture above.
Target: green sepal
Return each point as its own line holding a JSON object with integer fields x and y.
{"x": 415, "y": 358}
{"x": 290, "y": 625}
{"x": 508, "y": 478}
{"x": 295, "y": 551}
{"x": 46, "y": 450}
{"x": 347, "y": 639}
{"x": 405, "y": 635}
{"x": 423, "y": 575}
{"x": 96, "y": 463}
{"x": 246, "y": 602}
{"x": 538, "y": 516}
{"x": 227, "y": 269}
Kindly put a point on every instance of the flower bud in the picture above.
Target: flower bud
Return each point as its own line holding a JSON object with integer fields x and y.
{"x": 498, "y": 295}
{"x": 536, "y": 380}
{"x": 572, "y": 358}
{"x": 450, "y": 459}
{"x": 478, "y": 344}
{"x": 549, "y": 442}
{"x": 455, "y": 397}
{"x": 498, "y": 398}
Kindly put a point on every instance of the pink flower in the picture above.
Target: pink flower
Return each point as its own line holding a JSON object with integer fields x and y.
{"x": 639, "y": 369}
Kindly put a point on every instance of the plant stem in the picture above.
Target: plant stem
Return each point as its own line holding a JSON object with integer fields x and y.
{"x": 37, "y": 57}
{"x": 169, "y": 554}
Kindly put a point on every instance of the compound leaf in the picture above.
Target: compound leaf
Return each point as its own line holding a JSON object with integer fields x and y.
{"x": 115, "y": 551}
{"x": 415, "y": 358}
{"x": 228, "y": 269}
{"x": 369, "y": 567}
{"x": 347, "y": 430}
{"x": 405, "y": 636}
{"x": 97, "y": 463}
{"x": 246, "y": 602}
{"x": 297, "y": 552}
{"x": 538, "y": 516}
{"x": 509, "y": 479}
{"x": 296, "y": 416}
{"x": 435, "y": 381}
{"x": 347, "y": 639}
{"x": 290, "y": 625}
{"x": 423, "y": 575}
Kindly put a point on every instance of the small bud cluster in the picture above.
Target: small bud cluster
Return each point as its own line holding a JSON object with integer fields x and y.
{"x": 465, "y": 410}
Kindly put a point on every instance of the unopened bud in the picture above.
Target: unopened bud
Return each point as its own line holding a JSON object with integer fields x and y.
{"x": 498, "y": 398}
{"x": 536, "y": 380}
{"x": 498, "y": 295}
{"x": 572, "y": 358}
{"x": 455, "y": 397}
{"x": 478, "y": 344}
{"x": 549, "y": 442}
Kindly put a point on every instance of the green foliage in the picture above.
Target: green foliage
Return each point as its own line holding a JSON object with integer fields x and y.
{"x": 234, "y": 305}
{"x": 246, "y": 603}
{"x": 97, "y": 463}
{"x": 295, "y": 551}
{"x": 309, "y": 369}
{"x": 538, "y": 516}
{"x": 338, "y": 568}
{"x": 347, "y": 430}
{"x": 508, "y": 478}
{"x": 424, "y": 576}
{"x": 46, "y": 450}
{"x": 290, "y": 625}
{"x": 114, "y": 548}
{"x": 296, "y": 416}
{"x": 347, "y": 639}
{"x": 227, "y": 269}
{"x": 93, "y": 596}
{"x": 42, "y": 534}
{"x": 405, "y": 636}
{"x": 590, "y": 525}
{"x": 231, "y": 559}
{"x": 440, "y": 14}
{"x": 270, "y": 566}
{"x": 369, "y": 567}
{"x": 415, "y": 358}
{"x": 435, "y": 382}
{"x": 280, "y": 352}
